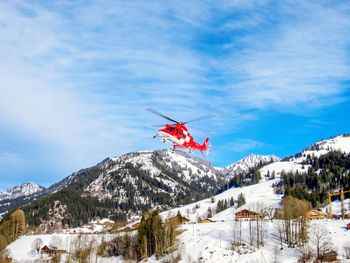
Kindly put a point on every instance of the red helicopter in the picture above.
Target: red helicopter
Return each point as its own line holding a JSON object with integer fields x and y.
{"x": 178, "y": 135}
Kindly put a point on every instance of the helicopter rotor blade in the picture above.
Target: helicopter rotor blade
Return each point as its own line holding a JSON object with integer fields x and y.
{"x": 199, "y": 129}
{"x": 161, "y": 115}
{"x": 199, "y": 118}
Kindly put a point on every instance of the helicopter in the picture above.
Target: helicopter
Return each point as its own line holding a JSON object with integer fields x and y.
{"x": 178, "y": 135}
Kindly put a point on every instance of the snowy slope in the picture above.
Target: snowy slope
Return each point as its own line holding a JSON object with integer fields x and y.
{"x": 337, "y": 207}
{"x": 22, "y": 250}
{"x": 137, "y": 181}
{"x": 261, "y": 194}
{"x": 338, "y": 143}
{"x": 25, "y": 189}
{"x": 211, "y": 242}
{"x": 166, "y": 172}
{"x": 252, "y": 160}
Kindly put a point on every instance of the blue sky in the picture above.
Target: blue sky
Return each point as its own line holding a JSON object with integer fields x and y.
{"x": 76, "y": 78}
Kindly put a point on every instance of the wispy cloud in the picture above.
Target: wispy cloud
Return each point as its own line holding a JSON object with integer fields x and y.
{"x": 77, "y": 76}
{"x": 243, "y": 145}
{"x": 300, "y": 58}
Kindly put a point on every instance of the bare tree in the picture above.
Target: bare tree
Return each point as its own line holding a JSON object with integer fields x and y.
{"x": 270, "y": 212}
{"x": 279, "y": 228}
{"x": 236, "y": 233}
{"x": 37, "y": 244}
{"x": 320, "y": 241}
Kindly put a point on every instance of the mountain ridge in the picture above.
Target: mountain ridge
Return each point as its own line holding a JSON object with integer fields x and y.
{"x": 136, "y": 181}
{"x": 24, "y": 189}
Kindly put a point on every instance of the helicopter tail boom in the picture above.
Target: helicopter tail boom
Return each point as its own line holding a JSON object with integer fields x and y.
{"x": 205, "y": 143}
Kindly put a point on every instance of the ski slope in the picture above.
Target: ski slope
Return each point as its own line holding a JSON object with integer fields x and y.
{"x": 261, "y": 194}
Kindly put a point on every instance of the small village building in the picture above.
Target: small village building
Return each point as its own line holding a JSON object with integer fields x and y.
{"x": 330, "y": 256}
{"x": 246, "y": 214}
{"x": 315, "y": 214}
{"x": 51, "y": 250}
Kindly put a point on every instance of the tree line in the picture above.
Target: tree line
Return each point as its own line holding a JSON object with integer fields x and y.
{"x": 323, "y": 174}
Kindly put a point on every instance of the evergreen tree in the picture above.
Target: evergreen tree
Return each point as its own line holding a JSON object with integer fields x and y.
{"x": 210, "y": 214}
{"x": 240, "y": 200}
{"x": 232, "y": 201}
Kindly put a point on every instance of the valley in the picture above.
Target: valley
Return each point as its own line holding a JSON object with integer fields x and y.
{"x": 207, "y": 198}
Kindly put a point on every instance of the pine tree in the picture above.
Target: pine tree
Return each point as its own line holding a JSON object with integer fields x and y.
{"x": 210, "y": 214}
{"x": 240, "y": 200}
{"x": 232, "y": 201}
{"x": 273, "y": 176}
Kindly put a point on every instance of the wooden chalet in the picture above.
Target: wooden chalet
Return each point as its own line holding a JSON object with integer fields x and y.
{"x": 51, "y": 250}
{"x": 246, "y": 214}
{"x": 330, "y": 257}
{"x": 315, "y": 214}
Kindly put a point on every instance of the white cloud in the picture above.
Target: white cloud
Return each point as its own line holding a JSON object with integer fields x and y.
{"x": 302, "y": 60}
{"x": 81, "y": 85}
{"x": 77, "y": 77}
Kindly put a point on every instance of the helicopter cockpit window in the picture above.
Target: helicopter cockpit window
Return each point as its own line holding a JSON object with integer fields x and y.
{"x": 171, "y": 129}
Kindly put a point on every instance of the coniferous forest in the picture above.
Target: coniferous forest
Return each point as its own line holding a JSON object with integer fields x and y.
{"x": 326, "y": 173}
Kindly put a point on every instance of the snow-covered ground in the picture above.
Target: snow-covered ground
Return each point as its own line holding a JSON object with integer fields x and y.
{"x": 261, "y": 194}
{"x": 338, "y": 143}
{"x": 337, "y": 207}
{"x": 96, "y": 226}
{"x": 248, "y": 162}
{"x": 211, "y": 242}
{"x": 23, "y": 250}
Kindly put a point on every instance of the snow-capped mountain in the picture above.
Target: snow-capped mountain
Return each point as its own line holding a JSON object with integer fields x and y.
{"x": 176, "y": 174}
{"x": 296, "y": 163}
{"x": 132, "y": 183}
{"x": 25, "y": 189}
{"x": 252, "y": 160}
{"x": 136, "y": 181}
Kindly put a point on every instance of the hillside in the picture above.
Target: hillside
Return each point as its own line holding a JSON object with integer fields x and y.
{"x": 246, "y": 163}
{"x": 212, "y": 242}
{"x": 123, "y": 187}
{"x": 297, "y": 162}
